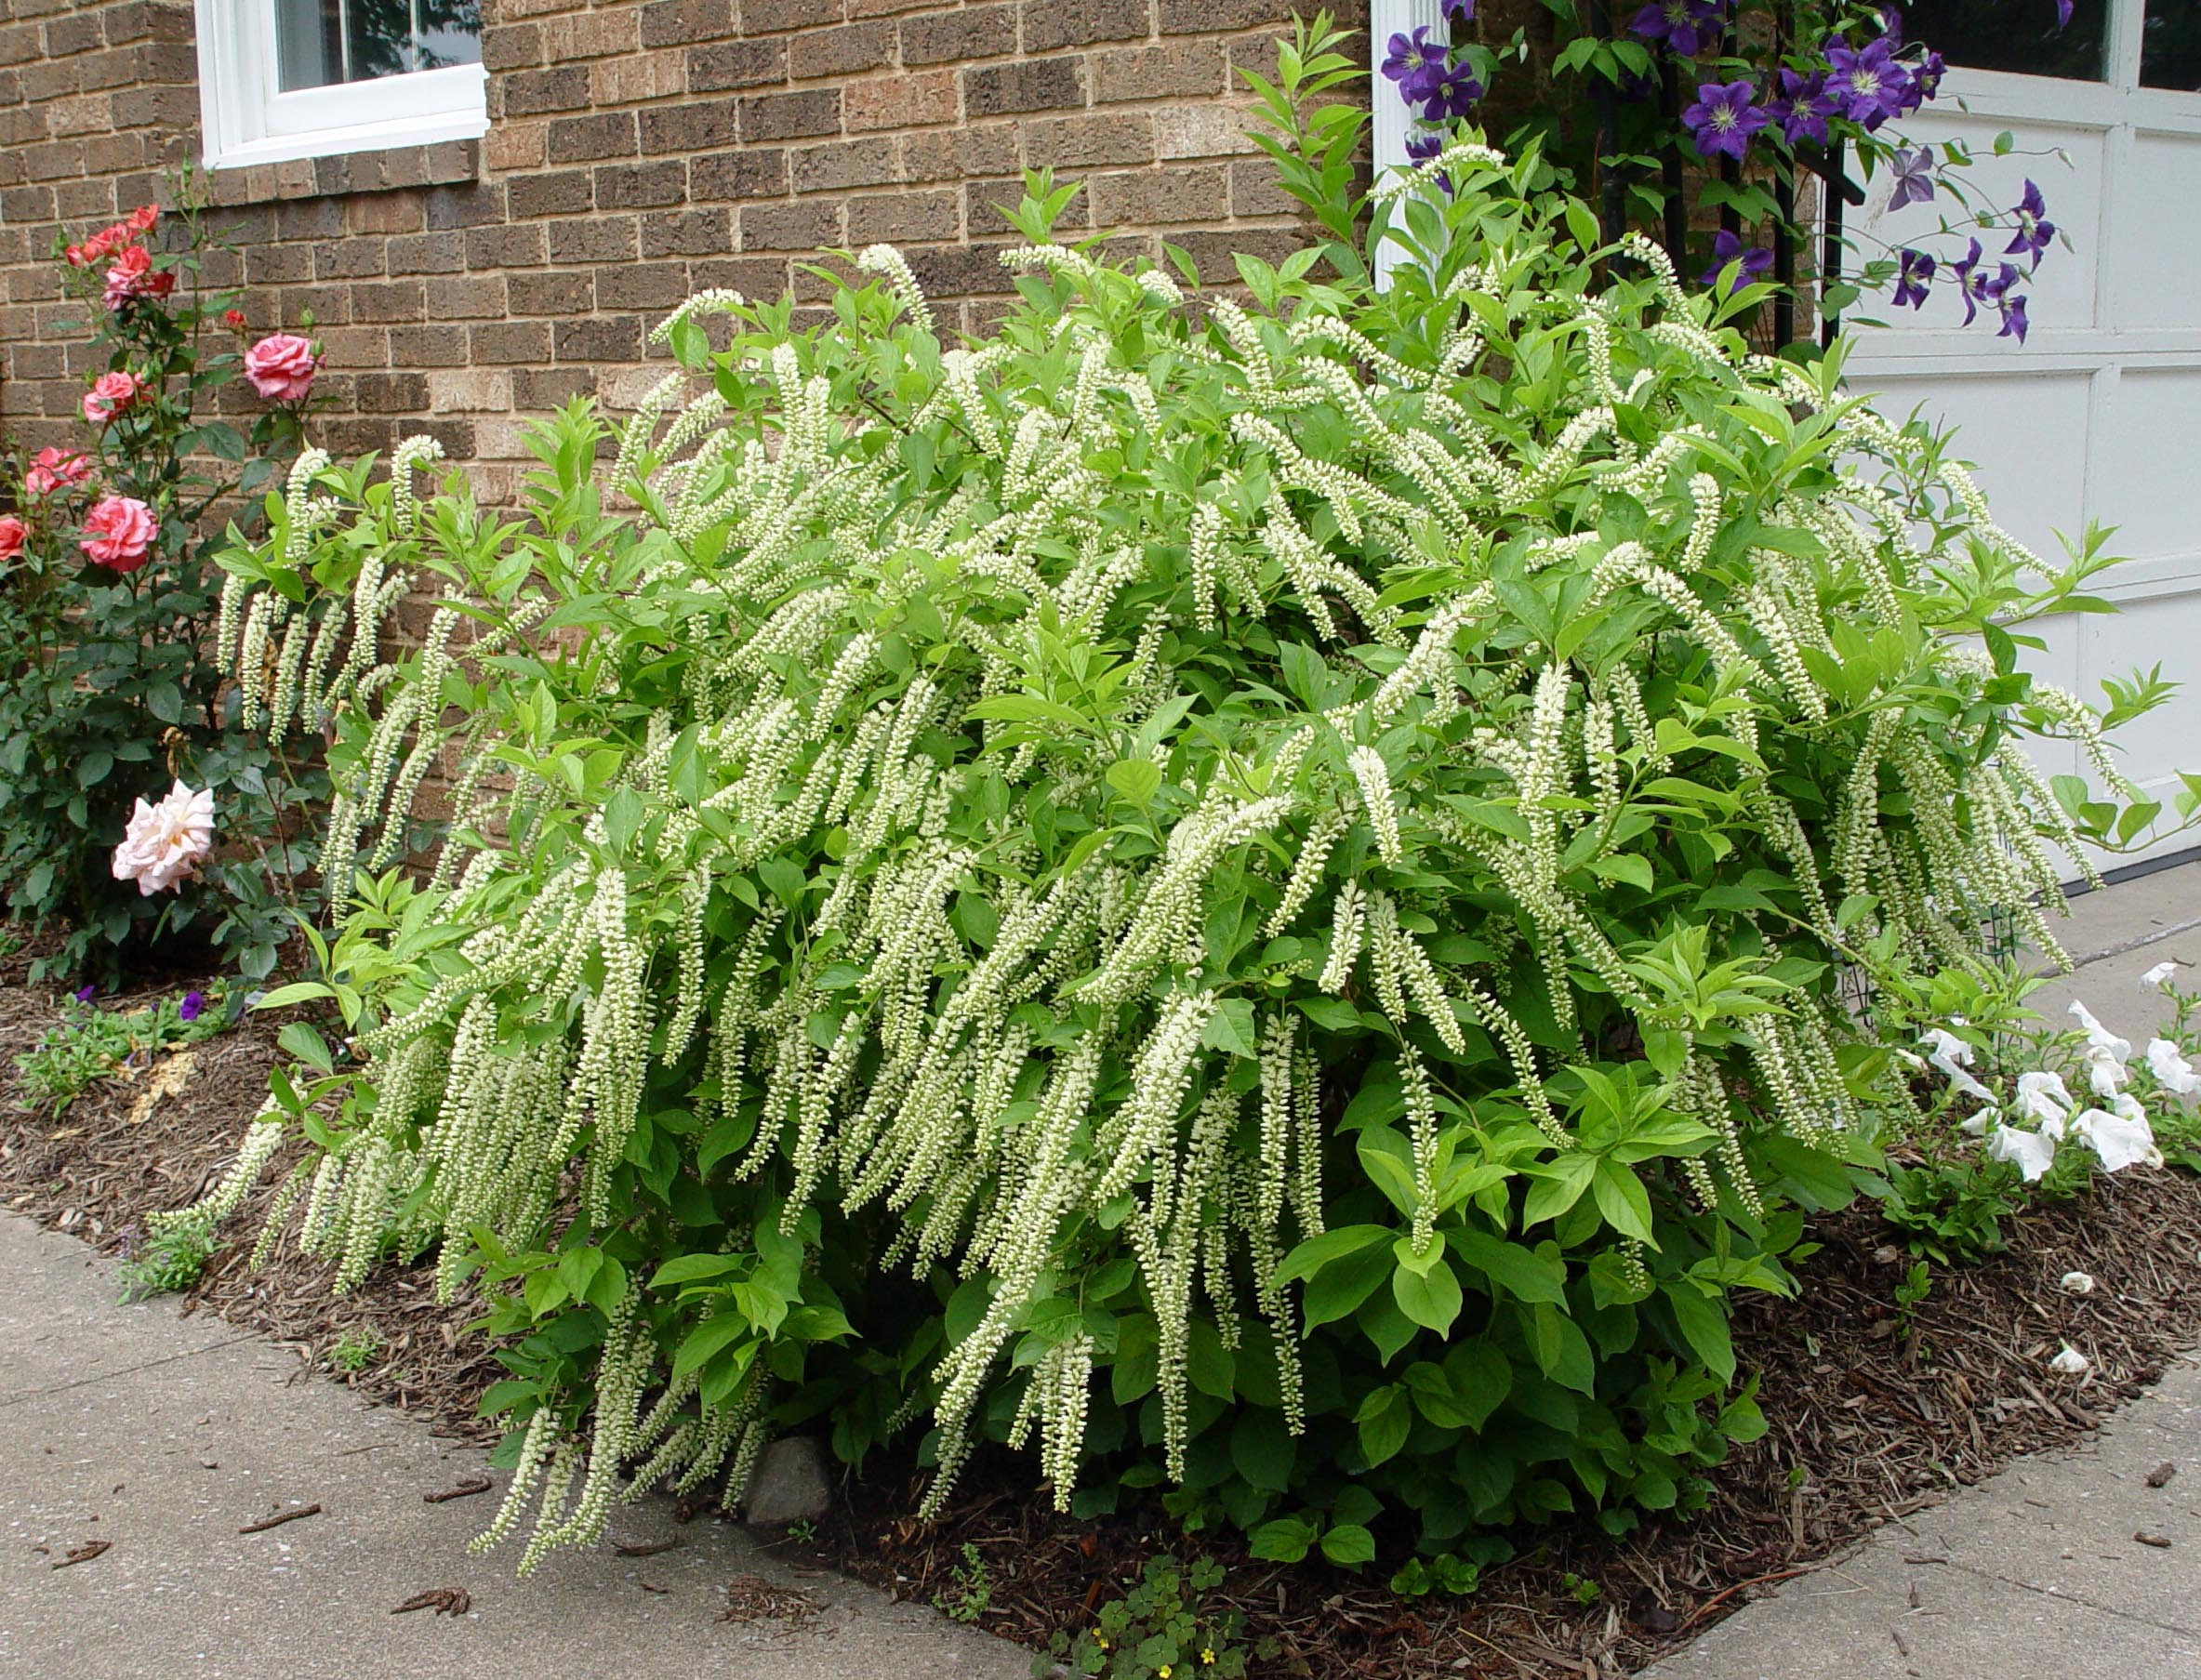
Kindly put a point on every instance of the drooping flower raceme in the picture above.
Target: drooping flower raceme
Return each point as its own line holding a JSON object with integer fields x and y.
{"x": 166, "y": 842}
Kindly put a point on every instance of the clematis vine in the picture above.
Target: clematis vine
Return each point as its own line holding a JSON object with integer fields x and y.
{"x": 1683, "y": 27}
{"x": 1915, "y": 283}
{"x": 1724, "y": 119}
{"x": 1727, "y": 247}
{"x": 2035, "y": 231}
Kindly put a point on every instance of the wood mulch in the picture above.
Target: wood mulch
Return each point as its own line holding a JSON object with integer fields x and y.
{"x": 1871, "y": 1417}
{"x": 95, "y": 1175}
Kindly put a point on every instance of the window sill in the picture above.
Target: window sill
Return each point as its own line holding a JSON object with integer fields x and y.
{"x": 442, "y": 164}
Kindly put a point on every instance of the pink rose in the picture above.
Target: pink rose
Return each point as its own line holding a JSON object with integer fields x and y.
{"x": 117, "y": 533}
{"x": 53, "y": 470}
{"x": 132, "y": 275}
{"x": 112, "y": 394}
{"x": 12, "y": 533}
{"x": 164, "y": 843}
{"x": 282, "y": 366}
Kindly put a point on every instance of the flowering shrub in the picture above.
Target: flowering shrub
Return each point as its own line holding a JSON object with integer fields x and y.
{"x": 1254, "y": 894}
{"x": 107, "y": 603}
{"x": 1679, "y": 111}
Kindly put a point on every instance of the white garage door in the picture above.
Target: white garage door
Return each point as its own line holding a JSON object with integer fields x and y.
{"x": 2098, "y": 417}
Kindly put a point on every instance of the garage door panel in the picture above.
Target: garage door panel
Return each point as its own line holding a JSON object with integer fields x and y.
{"x": 2154, "y": 234}
{"x": 2148, "y": 468}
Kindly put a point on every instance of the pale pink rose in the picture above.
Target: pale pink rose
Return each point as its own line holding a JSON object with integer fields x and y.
{"x": 164, "y": 843}
{"x": 112, "y": 394}
{"x": 282, "y": 366}
{"x": 117, "y": 533}
{"x": 12, "y": 533}
{"x": 53, "y": 470}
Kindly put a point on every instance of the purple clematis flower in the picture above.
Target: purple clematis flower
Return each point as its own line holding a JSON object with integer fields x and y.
{"x": 1686, "y": 26}
{"x": 1924, "y": 81}
{"x": 1727, "y": 247}
{"x": 1913, "y": 285}
{"x": 193, "y": 1005}
{"x": 2035, "y": 231}
{"x": 1914, "y": 179}
{"x": 1802, "y": 109}
{"x": 2014, "y": 323}
{"x": 1724, "y": 118}
{"x": 1420, "y": 148}
{"x": 1416, "y": 62}
{"x": 1450, "y": 95}
{"x": 1868, "y": 83}
{"x": 2064, "y": 11}
{"x": 85, "y": 994}
{"x": 1458, "y": 11}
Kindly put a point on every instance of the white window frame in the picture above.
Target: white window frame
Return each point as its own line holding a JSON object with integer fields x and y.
{"x": 246, "y": 117}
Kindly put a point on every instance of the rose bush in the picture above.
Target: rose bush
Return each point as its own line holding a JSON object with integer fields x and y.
{"x": 107, "y": 610}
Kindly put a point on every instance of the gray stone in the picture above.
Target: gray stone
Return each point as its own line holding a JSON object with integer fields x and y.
{"x": 790, "y": 1485}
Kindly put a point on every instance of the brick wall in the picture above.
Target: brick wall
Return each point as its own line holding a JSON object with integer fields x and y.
{"x": 638, "y": 149}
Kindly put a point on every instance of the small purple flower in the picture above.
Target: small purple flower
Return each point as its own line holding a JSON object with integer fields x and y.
{"x": 1980, "y": 288}
{"x": 1686, "y": 26}
{"x": 1727, "y": 247}
{"x": 1914, "y": 179}
{"x": 2035, "y": 231}
{"x": 1420, "y": 148}
{"x": 2064, "y": 11}
{"x": 1867, "y": 82}
{"x": 1803, "y": 108}
{"x": 1912, "y": 284}
{"x": 2014, "y": 323}
{"x": 1723, "y": 119}
{"x": 85, "y": 994}
{"x": 193, "y": 1004}
{"x": 1458, "y": 11}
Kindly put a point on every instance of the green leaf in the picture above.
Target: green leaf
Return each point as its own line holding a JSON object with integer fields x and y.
{"x": 1348, "y": 1545}
{"x": 1231, "y": 1028}
{"x": 1432, "y": 1300}
{"x": 695, "y": 1268}
{"x": 1704, "y": 1328}
{"x": 1136, "y": 779}
{"x": 1285, "y": 1541}
{"x": 1529, "y": 1276}
{"x": 1624, "y": 1201}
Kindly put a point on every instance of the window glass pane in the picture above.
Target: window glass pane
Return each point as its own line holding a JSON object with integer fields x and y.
{"x": 2171, "y": 49}
{"x": 321, "y": 43}
{"x": 2016, "y": 35}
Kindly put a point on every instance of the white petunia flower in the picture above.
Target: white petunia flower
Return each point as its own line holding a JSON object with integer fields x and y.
{"x": 2098, "y": 1035}
{"x": 1952, "y": 1055}
{"x": 2077, "y": 1283}
{"x": 2105, "y": 1072}
{"x": 2172, "y": 1071}
{"x": 2043, "y": 1100}
{"x": 2160, "y": 975}
{"x": 2071, "y": 1362}
{"x": 1975, "y": 1125}
{"x": 2032, "y": 1153}
{"x": 2121, "y": 1140}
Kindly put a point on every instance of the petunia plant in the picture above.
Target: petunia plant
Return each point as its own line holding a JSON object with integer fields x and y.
{"x": 108, "y": 692}
{"x": 1728, "y": 131}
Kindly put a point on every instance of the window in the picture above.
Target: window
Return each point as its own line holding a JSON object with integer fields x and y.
{"x": 2020, "y": 36}
{"x": 282, "y": 79}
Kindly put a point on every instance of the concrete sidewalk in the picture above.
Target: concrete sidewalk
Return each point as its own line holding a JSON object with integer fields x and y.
{"x": 164, "y": 1435}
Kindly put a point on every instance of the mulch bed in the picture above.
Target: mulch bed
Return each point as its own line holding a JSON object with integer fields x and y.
{"x": 93, "y": 1174}
{"x": 1867, "y": 1424}
{"x": 1870, "y": 1419}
